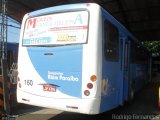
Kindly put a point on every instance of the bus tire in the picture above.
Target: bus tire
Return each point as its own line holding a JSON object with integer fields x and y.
{"x": 131, "y": 94}
{"x": 159, "y": 104}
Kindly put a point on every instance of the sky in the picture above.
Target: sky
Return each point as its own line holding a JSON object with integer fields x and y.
{"x": 13, "y": 30}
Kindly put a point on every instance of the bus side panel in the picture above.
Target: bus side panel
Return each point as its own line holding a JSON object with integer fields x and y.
{"x": 139, "y": 73}
{"x": 110, "y": 75}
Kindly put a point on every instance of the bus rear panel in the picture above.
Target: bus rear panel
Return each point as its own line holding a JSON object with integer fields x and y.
{"x": 56, "y": 65}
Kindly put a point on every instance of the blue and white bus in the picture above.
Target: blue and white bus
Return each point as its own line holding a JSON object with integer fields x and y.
{"x": 78, "y": 58}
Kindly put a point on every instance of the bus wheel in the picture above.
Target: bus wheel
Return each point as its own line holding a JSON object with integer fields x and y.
{"x": 159, "y": 99}
{"x": 131, "y": 95}
{"x": 158, "y": 104}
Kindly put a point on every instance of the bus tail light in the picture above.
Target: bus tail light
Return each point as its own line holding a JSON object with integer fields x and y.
{"x": 86, "y": 93}
{"x": 93, "y": 78}
{"x": 18, "y": 79}
{"x": 18, "y": 82}
{"x": 90, "y": 85}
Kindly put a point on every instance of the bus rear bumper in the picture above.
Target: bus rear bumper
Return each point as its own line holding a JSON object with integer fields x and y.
{"x": 85, "y": 106}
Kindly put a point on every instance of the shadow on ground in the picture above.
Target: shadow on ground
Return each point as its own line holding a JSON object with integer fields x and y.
{"x": 21, "y": 109}
{"x": 144, "y": 106}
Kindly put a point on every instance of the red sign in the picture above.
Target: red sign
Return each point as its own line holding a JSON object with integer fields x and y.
{"x": 49, "y": 88}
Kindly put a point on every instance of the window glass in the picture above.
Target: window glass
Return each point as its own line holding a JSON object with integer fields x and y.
{"x": 138, "y": 54}
{"x": 56, "y": 29}
{"x": 111, "y": 37}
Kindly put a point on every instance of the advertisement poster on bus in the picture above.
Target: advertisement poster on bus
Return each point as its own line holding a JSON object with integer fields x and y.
{"x": 57, "y": 29}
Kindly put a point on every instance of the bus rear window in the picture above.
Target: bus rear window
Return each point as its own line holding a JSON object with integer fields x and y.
{"x": 56, "y": 29}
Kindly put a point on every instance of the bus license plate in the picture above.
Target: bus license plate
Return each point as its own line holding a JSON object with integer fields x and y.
{"x": 49, "y": 88}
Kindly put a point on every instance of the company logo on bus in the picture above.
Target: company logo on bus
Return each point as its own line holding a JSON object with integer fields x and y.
{"x": 32, "y": 22}
{"x": 53, "y": 20}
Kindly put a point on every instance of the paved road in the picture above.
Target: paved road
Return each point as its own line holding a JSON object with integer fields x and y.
{"x": 143, "y": 107}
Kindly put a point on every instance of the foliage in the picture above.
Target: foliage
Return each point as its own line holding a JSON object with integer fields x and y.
{"x": 152, "y": 46}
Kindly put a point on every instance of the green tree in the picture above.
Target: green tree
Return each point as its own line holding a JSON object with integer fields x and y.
{"x": 153, "y": 47}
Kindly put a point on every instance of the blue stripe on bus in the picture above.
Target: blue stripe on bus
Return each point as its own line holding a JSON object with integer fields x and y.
{"x": 62, "y": 67}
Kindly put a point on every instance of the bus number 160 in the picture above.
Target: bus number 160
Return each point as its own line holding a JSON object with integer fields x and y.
{"x": 28, "y": 82}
